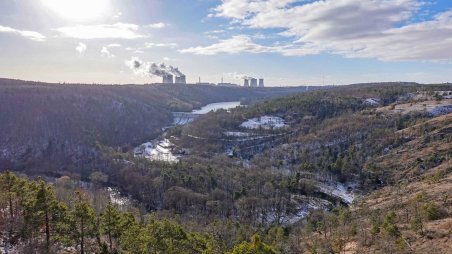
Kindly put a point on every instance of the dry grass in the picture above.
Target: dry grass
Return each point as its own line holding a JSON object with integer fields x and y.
{"x": 433, "y": 182}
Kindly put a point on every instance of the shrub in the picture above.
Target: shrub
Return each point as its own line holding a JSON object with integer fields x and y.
{"x": 432, "y": 211}
{"x": 435, "y": 178}
{"x": 416, "y": 225}
{"x": 389, "y": 225}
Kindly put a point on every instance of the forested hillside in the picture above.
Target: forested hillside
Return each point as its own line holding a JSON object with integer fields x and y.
{"x": 355, "y": 169}
{"x": 61, "y": 127}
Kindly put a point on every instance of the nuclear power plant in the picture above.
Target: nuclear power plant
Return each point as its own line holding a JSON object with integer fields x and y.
{"x": 172, "y": 75}
{"x": 167, "y": 73}
{"x": 253, "y": 82}
{"x": 167, "y": 79}
{"x": 181, "y": 80}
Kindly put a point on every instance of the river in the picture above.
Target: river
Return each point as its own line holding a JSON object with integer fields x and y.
{"x": 216, "y": 106}
{"x": 161, "y": 149}
{"x": 183, "y": 118}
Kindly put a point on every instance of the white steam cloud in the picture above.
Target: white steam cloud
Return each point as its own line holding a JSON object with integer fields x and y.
{"x": 143, "y": 68}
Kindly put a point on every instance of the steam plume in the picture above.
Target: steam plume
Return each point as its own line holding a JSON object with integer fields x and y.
{"x": 146, "y": 68}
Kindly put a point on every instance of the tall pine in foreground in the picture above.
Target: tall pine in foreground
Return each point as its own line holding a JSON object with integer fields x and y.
{"x": 111, "y": 224}
{"x": 48, "y": 211}
{"x": 8, "y": 195}
{"x": 83, "y": 221}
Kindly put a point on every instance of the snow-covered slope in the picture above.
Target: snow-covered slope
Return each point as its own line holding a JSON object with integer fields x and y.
{"x": 265, "y": 122}
{"x": 159, "y": 151}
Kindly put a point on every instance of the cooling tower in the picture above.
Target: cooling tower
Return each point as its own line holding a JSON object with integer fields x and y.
{"x": 168, "y": 79}
{"x": 253, "y": 82}
{"x": 261, "y": 82}
{"x": 181, "y": 80}
{"x": 246, "y": 83}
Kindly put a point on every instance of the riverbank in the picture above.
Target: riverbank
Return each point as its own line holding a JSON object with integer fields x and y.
{"x": 161, "y": 149}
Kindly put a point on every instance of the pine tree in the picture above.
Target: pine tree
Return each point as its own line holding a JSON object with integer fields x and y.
{"x": 84, "y": 225}
{"x": 47, "y": 211}
{"x": 111, "y": 224}
{"x": 8, "y": 182}
{"x": 256, "y": 246}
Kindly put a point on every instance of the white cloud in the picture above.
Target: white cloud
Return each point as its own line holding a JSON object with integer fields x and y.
{"x": 157, "y": 25}
{"x": 149, "y": 45}
{"x": 81, "y": 47}
{"x": 214, "y": 34}
{"x": 160, "y": 45}
{"x": 219, "y": 31}
{"x": 104, "y": 52}
{"x": 380, "y": 29}
{"x": 212, "y": 37}
{"x": 235, "y": 45}
{"x": 103, "y": 31}
{"x": 114, "y": 45}
{"x": 32, "y": 35}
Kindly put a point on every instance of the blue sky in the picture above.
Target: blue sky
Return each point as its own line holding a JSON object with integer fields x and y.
{"x": 287, "y": 42}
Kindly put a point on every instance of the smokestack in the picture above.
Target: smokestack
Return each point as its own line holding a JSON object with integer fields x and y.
{"x": 261, "y": 82}
{"x": 253, "y": 82}
{"x": 181, "y": 80}
{"x": 168, "y": 79}
{"x": 246, "y": 83}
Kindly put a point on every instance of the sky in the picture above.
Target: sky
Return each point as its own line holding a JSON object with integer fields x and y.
{"x": 286, "y": 42}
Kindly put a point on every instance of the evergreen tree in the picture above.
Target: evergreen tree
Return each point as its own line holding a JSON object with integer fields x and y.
{"x": 47, "y": 211}
{"x": 83, "y": 221}
{"x": 8, "y": 182}
{"x": 256, "y": 246}
{"x": 111, "y": 224}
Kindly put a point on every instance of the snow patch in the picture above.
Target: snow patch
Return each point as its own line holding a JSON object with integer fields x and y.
{"x": 372, "y": 102}
{"x": 304, "y": 207}
{"x": 264, "y": 122}
{"x": 159, "y": 151}
{"x": 339, "y": 190}
{"x": 236, "y": 134}
{"x": 116, "y": 198}
{"x": 304, "y": 210}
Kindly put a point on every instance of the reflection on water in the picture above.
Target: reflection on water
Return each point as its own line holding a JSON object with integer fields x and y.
{"x": 216, "y": 106}
{"x": 183, "y": 118}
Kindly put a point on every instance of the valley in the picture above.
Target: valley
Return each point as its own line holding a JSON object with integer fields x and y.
{"x": 225, "y": 127}
{"x": 323, "y": 170}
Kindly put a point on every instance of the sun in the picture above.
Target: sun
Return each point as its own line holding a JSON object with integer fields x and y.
{"x": 78, "y": 10}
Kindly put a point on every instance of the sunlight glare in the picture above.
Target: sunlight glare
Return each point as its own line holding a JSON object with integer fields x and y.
{"x": 78, "y": 9}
